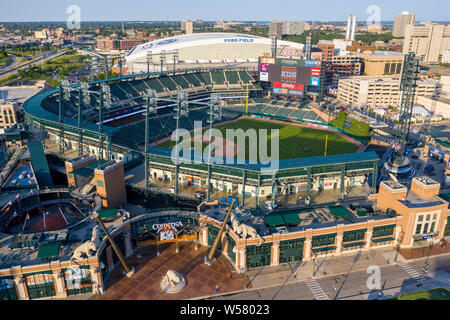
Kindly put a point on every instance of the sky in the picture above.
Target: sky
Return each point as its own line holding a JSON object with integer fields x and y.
{"x": 244, "y": 10}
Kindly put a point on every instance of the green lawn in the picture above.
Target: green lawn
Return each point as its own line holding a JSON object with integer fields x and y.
{"x": 434, "y": 294}
{"x": 4, "y": 62}
{"x": 295, "y": 141}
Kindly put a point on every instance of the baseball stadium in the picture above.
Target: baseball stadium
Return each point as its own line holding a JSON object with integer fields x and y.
{"x": 116, "y": 138}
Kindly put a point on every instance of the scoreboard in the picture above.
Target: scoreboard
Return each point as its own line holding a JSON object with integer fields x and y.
{"x": 290, "y": 76}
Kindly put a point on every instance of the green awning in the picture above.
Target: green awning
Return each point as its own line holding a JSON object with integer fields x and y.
{"x": 339, "y": 211}
{"x": 49, "y": 250}
{"x": 274, "y": 220}
{"x": 84, "y": 172}
{"x": 291, "y": 218}
{"x": 107, "y": 213}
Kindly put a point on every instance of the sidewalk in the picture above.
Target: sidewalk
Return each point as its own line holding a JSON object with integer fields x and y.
{"x": 326, "y": 266}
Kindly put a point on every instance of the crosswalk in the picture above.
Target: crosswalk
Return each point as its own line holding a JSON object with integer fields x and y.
{"x": 316, "y": 290}
{"x": 411, "y": 271}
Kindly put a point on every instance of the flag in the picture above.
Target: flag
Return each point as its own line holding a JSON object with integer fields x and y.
{"x": 27, "y": 217}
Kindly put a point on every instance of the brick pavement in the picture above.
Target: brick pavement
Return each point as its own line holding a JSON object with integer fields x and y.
{"x": 145, "y": 283}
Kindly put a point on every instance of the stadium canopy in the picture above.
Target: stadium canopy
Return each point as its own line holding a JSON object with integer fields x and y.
{"x": 291, "y": 218}
{"x": 107, "y": 213}
{"x": 40, "y": 165}
{"x": 339, "y": 211}
{"x": 275, "y": 220}
{"x": 49, "y": 250}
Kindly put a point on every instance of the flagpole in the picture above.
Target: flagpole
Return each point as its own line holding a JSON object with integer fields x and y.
{"x": 326, "y": 143}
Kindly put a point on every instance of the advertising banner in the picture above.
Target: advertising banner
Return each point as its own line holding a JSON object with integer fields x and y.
{"x": 314, "y": 81}
{"x": 291, "y": 86}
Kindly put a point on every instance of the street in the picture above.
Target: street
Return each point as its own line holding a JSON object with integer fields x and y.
{"x": 352, "y": 285}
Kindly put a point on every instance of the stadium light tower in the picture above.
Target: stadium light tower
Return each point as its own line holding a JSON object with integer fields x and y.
{"x": 94, "y": 67}
{"x": 181, "y": 109}
{"x": 175, "y": 59}
{"x": 64, "y": 94}
{"x": 107, "y": 66}
{"x": 274, "y": 46}
{"x": 122, "y": 62}
{"x": 215, "y": 113}
{"x": 399, "y": 163}
{"x": 149, "y": 60}
{"x": 84, "y": 99}
{"x": 162, "y": 58}
{"x": 150, "y": 108}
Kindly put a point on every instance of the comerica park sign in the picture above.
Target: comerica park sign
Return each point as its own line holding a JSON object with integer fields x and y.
{"x": 171, "y": 225}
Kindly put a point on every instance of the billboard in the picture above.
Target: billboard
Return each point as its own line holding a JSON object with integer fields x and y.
{"x": 290, "y": 76}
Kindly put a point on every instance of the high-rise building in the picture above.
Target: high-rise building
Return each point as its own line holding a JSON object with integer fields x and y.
{"x": 187, "y": 26}
{"x": 276, "y": 29}
{"x": 293, "y": 27}
{"x": 379, "y": 63}
{"x": 400, "y": 23}
{"x": 428, "y": 42}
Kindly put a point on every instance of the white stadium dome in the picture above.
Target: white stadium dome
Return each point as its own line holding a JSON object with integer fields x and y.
{"x": 208, "y": 48}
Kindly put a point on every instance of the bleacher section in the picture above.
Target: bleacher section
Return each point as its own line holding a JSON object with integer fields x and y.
{"x": 161, "y": 126}
{"x": 218, "y": 77}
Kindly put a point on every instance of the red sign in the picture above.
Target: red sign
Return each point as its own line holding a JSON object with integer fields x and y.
{"x": 315, "y": 72}
{"x": 291, "y": 86}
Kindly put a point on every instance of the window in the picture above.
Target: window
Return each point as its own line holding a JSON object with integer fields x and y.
{"x": 291, "y": 250}
{"x": 383, "y": 231}
{"x": 100, "y": 183}
{"x": 418, "y": 228}
{"x": 7, "y": 289}
{"x": 78, "y": 280}
{"x": 40, "y": 285}
{"x": 354, "y": 235}
{"x": 323, "y": 240}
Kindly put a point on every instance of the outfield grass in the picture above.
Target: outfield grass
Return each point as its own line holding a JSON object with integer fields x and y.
{"x": 295, "y": 141}
{"x": 434, "y": 294}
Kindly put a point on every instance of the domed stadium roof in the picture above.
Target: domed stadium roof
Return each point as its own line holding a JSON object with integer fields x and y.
{"x": 211, "y": 45}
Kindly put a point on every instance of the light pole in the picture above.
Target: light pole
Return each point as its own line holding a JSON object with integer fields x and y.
{"x": 175, "y": 59}
{"x": 122, "y": 61}
{"x": 215, "y": 113}
{"x": 149, "y": 60}
{"x": 181, "y": 109}
{"x": 150, "y": 103}
{"x": 162, "y": 58}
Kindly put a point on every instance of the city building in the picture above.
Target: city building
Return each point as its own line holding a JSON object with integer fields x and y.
{"x": 345, "y": 66}
{"x": 351, "y": 28}
{"x": 128, "y": 44}
{"x": 8, "y": 114}
{"x": 440, "y": 106}
{"x": 379, "y": 91}
{"x": 276, "y": 29}
{"x": 293, "y": 27}
{"x": 400, "y": 23}
{"x": 428, "y": 42}
{"x": 108, "y": 44}
{"x": 187, "y": 26}
{"x": 379, "y": 63}
{"x": 446, "y": 56}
